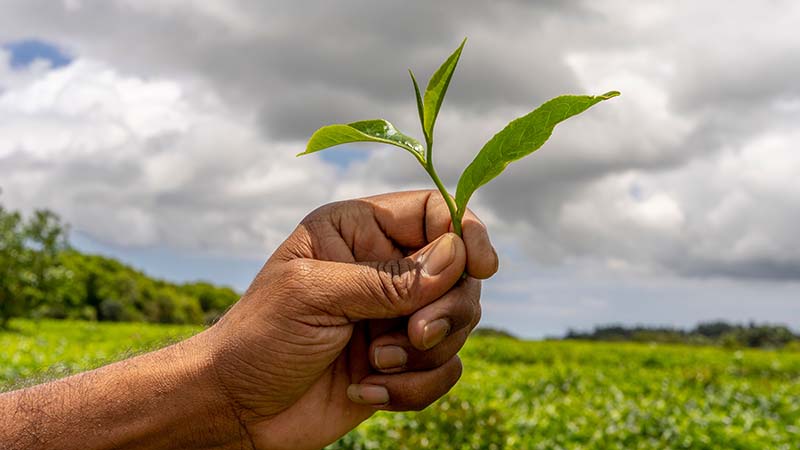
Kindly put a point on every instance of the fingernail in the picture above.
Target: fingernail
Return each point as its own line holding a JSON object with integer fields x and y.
{"x": 496, "y": 260}
{"x": 441, "y": 255}
{"x": 368, "y": 394}
{"x": 434, "y": 332}
{"x": 390, "y": 357}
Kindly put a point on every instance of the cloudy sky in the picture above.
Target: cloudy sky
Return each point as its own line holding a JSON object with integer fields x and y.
{"x": 164, "y": 132}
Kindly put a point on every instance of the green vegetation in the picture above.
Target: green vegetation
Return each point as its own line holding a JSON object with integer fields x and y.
{"x": 41, "y": 276}
{"x": 518, "y": 394}
{"x": 30, "y": 270}
{"x": 32, "y": 351}
{"x": 707, "y": 333}
{"x": 550, "y": 395}
{"x": 104, "y": 289}
{"x": 518, "y": 139}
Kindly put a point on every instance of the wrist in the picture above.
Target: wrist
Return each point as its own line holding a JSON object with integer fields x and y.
{"x": 178, "y": 402}
{"x": 201, "y": 413}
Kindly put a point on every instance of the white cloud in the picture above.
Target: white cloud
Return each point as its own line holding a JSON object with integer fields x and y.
{"x": 621, "y": 205}
{"x": 146, "y": 162}
{"x": 87, "y": 108}
{"x": 746, "y": 208}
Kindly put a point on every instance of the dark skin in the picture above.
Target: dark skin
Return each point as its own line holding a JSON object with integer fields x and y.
{"x": 362, "y": 308}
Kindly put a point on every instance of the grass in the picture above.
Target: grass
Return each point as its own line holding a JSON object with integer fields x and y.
{"x": 48, "y": 349}
{"x": 530, "y": 395}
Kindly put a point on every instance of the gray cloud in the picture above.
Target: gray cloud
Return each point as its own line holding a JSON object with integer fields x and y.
{"x": 690, "y": 172}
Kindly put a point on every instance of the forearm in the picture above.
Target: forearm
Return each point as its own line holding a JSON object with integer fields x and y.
{"x": 164, "y": 399}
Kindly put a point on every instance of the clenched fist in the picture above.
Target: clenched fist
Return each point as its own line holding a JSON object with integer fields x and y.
{"x": 363, "y": 307}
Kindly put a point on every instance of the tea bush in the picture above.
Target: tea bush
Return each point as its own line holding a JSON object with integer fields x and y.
{"x": 515, "y": 394}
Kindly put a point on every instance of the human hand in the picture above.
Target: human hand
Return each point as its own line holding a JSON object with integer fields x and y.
{"x": 362, "y": 308}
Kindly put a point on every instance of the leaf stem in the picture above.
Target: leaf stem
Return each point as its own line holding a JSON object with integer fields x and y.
{"x": 448, "y": 199}
{"x": 429, "y": 152}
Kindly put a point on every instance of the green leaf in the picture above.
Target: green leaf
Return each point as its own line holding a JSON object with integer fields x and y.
{"x": 437, "y": 87}
{"x": 376, "y": 130}
{"x": 420, "y": 106}
{"x": 520, "y": 138}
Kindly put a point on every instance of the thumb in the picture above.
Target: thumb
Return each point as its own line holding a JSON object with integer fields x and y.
{"x": 385, "y": 289}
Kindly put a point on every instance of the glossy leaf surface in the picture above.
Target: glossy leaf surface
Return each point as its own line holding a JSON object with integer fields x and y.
{"x": 376, "y": 130}
{"x": 518, "y": 139}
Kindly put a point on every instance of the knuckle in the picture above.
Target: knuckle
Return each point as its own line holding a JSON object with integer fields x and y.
{"x": 455, "y": 371}
{"x": 399, "y": 281}
{"x": 476, "y": 315}
{"x": 322, "y": 212}
{"x": 293, "y": 282}
{"x": 474, "y": 289}
{"x": 295, "y": 272}
{"x": 474, "y": 220}
{"x": 303, "y": 291}
{"x": 475, "y": 297}
{"x": 335, "y": 212}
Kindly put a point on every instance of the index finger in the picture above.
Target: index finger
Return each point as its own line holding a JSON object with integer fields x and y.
{"x": 413, "y": 219}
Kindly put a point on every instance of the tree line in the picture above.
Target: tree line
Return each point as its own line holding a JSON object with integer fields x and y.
{"x": 705, "y": 333}
{"x": 42, "y": 276}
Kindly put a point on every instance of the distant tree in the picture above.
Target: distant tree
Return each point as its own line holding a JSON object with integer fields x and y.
{"x": 113, "y": 291}
{"x": 719, "y": 332}
{"x": 214, "y": 300}
{"x": 612, "y": 333}
{"x": 40, "y": 275}
{"x": 30, "y": 268}
{"x": 714, "y": 330}
{"x": 12, "y": 279}
{"x": 493, "y": 332}
{"x": 46, "y": 237}
{"x": 766, "y": 336}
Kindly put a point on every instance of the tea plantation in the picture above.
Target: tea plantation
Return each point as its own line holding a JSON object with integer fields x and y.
{"x": 514, "y": 394}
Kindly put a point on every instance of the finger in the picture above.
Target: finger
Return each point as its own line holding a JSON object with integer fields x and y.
{"x": 458, "y": 308}
{"x": 367, "y": 229}
{"x": 393, "y": 352}
{"x": 410, "y": 220}
{"x": 403, "y": 215}
{"x": 482, "y": 261}
{"x": 376, "y": 290}
{"x": 408, "y": 391}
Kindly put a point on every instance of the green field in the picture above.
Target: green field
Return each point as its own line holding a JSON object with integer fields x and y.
{"x": 537, "y": 395}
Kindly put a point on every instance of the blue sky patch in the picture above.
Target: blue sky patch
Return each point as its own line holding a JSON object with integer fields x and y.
{"x": 344, "y": 155}
{"x": 24, "y": 52}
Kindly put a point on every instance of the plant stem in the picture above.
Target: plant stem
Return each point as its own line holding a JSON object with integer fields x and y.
{"x": 451, "y": 205}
